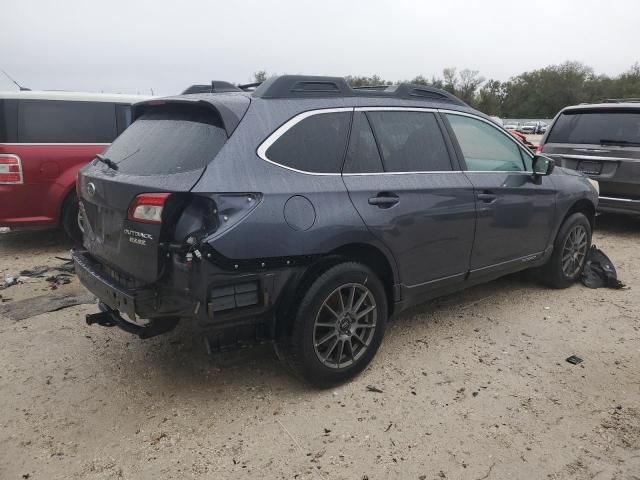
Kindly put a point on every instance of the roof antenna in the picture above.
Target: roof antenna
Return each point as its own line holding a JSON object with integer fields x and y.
{"x": 22, "y": 89}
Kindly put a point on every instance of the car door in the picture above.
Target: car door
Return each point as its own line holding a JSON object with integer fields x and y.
{"x": 399, "y": 174}
{"x": 515, "y": 210}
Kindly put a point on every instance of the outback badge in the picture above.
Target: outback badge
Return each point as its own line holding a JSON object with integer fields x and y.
{"x": 139, "y": 238}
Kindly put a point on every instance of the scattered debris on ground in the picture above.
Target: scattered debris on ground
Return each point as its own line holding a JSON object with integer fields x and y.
{"x": 573, "y": 360}
{"x": 59, "y": 275}
{"x": 70, "y": 392}
{"x": 31, "y": 307}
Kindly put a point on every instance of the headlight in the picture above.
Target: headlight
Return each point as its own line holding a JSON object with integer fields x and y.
{"x": 595, "y": 184}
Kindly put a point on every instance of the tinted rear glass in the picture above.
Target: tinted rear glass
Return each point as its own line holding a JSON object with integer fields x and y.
{"x": 56, "y": 121}
{"x": 168, "y": 139}
{"x": 596, "y": 127}
{"x": 410, "y": 141}
{"x": 315, "y": 144}
{"x": 362, "y": 154}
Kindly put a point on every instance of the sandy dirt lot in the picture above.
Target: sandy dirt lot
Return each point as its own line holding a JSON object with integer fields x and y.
{"x": 474, "y": 386}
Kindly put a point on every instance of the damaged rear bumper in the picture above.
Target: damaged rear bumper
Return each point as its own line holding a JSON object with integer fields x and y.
{"x": 92, "y": 276}
{"x": 108, "y": 317}
{"x": 227, "y": 306}
{"x": 150, "y": 301}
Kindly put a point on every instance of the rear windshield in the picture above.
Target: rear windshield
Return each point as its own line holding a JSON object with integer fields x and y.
{"x": 168, "y": 139}
{"x": 608, "y": 127}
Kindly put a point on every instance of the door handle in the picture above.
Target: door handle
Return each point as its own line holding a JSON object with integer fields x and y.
{"x": 487, "y": 197}
{"x": 384, "y": 200}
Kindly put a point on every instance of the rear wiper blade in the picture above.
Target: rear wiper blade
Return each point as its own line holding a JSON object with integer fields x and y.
{"x": 606, "y": 141}
{"x": 108, "y": 162}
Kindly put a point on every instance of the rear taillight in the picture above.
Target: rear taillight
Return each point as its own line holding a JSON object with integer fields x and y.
{"x": 10, "y": 169}
{"x": 147, "y": 207}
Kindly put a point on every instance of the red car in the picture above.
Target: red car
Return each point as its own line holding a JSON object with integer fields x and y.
{"x": 45, "y": 138}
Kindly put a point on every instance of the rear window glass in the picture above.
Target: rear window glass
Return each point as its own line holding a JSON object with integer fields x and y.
{"x": 168, "y": 139}
{"x": 609, "y": 127}
{"x": 56, "y": 121}
{"x": 315, "y": 144}
{"x": 410, "y": 141}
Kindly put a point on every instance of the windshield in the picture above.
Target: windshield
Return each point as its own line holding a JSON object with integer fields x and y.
{"x": 171, "y": 138}
{"x": 597, "y": 127}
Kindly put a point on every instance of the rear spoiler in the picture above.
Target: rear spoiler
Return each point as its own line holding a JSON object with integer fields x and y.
{"x": 230, "y": 107}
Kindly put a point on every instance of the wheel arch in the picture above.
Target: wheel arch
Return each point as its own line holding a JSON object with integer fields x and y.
{"x": 584, "y": 206}
{"x": 365, "y": 253}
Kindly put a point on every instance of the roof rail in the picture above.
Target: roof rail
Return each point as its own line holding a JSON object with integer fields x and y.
{"x": 306, "y": 86}
{"x": 248, "y": 87}
{"x": 621, "y": 100}
{"x": 216, "y": 86}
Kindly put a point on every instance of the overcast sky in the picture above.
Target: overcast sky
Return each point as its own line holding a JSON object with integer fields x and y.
{"x": 130, "y": 46}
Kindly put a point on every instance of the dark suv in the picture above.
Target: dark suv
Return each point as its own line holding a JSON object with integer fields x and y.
{"x": 603, "y": 142}
{"x": 307, "y": 212}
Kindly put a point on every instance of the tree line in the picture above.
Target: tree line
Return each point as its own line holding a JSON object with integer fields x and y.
{"x": 536, "y": 94}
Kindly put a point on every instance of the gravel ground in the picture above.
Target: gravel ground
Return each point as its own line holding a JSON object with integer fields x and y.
{"x": 474, "y": 386}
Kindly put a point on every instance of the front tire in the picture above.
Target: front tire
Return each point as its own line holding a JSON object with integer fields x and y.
{"x": 338, "y": 325}
{"x": 570, "y": 252}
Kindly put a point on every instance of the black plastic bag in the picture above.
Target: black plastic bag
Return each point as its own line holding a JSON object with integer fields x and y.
{"x": 599, "y": 272}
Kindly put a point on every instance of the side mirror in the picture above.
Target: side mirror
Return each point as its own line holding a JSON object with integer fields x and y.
{"x": 542, "y": 165}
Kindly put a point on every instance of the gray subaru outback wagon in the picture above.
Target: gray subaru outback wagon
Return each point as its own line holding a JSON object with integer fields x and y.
{"x": 306, "y": 213}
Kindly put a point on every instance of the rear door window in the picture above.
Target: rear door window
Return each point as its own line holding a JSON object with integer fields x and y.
{"x": 362, "y": 154}
{"x": 484, "y": 147}
{"x": 169, "y": 139}
{"x": 597, "y": 127}
{"x": 57, "y": 121}
{"x": 410, "y": 141}
{"x": 315, "y": 144}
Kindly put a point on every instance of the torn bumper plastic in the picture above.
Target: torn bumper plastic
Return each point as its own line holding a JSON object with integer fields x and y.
{"x": 111, "y": 318}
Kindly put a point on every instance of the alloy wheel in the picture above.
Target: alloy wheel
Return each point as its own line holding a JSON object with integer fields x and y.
{"x": 574, "y": 251}
{"x": 345, "y": 325}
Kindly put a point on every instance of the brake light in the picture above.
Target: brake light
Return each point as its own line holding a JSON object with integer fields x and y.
{"x": 10, "y": 169}
{"x": 147, "y": 207}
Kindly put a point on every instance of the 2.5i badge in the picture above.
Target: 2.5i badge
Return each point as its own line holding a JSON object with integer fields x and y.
{"x": 139, "y": 238}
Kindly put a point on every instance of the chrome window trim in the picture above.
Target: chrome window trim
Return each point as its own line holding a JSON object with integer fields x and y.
{"x": 282, "y": 129}
{"x": 510, "y": 172}
{"x": 273, "y": 137}
{"x": 589, "y": 157}
{"x": 439, "y": 172}
{"x": 18, "y": 144}
{"x": 391, "y": 109}
{"x": 11, "y": 155}
{"x": 501, "y": 130}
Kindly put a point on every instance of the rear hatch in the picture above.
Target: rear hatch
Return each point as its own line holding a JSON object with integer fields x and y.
{"x": 603, "y": 143}
{"x": 165, "y": 150}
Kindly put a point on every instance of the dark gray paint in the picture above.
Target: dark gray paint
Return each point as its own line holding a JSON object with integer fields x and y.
{"x": 437, "y": 237}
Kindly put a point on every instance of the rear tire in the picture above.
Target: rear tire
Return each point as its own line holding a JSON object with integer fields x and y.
{"x": 69, "y": 220}
{"x": 570, "y": 252}
{"x": 338, "y": 326}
